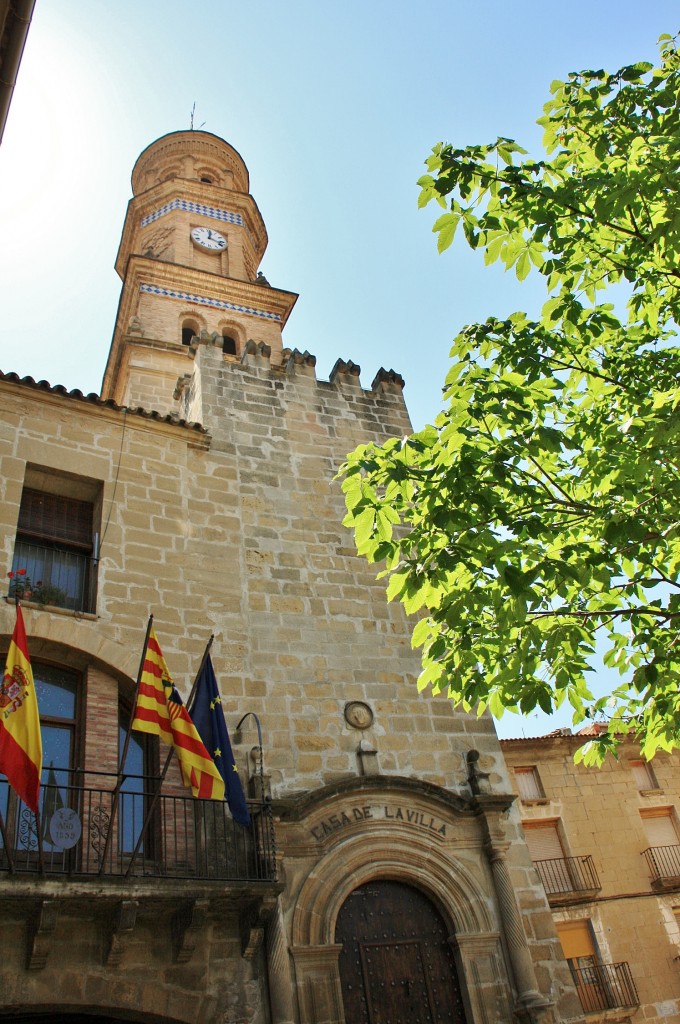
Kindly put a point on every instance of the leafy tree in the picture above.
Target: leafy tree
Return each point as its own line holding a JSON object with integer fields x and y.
{"x": 540, "y": 513}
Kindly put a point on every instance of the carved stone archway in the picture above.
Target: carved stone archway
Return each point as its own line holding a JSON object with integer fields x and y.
{"x": 401, "y": 856}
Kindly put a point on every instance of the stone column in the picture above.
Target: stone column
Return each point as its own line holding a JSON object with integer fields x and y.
{"x": 280, "y": 975}
{"x": 531, "y": 1005}
{"x": 318, "y": 984}
{"x": 480, "y": 964}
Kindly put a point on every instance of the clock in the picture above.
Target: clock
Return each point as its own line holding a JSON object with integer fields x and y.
{"x": 206, "y": 238}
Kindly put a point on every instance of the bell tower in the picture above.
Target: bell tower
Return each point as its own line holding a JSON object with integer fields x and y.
{"x": 189, "y": 259}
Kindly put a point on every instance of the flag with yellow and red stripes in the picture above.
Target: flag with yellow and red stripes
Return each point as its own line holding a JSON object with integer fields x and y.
{"x": 161, "y": 712}
{"x": 20, "y": 739}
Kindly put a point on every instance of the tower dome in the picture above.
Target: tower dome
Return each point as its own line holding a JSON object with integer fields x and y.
{"x": 193, "y": 156}
{"x": 189, "y": 256}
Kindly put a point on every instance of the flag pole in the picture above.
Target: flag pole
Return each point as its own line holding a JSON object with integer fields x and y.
{"x": 121, "y": 766}
{"x": 38, "y": 826}
{"x": 157, "y": 794}
{"x": 123, "y": 755}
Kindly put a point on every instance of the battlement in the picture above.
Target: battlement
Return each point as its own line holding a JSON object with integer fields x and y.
{"x": 219, "y": 387}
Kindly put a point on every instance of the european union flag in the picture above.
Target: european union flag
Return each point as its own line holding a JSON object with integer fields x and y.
{"x": 208, "y": 717}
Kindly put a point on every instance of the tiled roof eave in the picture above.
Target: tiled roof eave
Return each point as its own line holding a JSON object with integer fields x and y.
{"x": 75, "y": 394}
{"x": 588, "y": 732}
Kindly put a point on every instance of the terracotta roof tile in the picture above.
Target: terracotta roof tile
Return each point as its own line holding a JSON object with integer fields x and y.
{"x": 94, "y": 399}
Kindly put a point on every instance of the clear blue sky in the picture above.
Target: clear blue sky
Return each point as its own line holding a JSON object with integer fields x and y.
{"x": 334, "y": 107}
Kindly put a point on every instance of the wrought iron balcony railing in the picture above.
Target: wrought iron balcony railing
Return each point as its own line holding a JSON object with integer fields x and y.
{"x": 185, "y": 837}
{"x": 60, "y": 577}
{"x": 664, "y": 865}
{"x": 568, "y": 878}
{"x": 604, "y": 986}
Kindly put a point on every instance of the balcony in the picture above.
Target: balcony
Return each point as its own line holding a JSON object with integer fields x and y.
{"x": 568, "y": 879}
{"x": 84, "y": 835}
{"x": 664, "y": 866}
{"x": 605, "y": 987}
{"x": 89, "y": 858}
{"x": 60, "y": 577}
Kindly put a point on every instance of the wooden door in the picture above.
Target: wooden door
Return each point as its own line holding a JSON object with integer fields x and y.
{"x": 396, "y": 965}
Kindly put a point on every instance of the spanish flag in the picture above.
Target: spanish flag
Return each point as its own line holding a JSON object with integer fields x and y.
{"x": 20, "y": 740}
{"x": 160, "y": 711}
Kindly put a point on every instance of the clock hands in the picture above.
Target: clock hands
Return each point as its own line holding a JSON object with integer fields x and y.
{"x": 206, "y": 238}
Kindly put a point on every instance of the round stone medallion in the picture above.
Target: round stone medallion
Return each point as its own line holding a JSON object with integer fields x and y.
{"x": 358, "y": 714}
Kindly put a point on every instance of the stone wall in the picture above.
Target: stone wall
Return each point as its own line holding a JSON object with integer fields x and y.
{"x": 237, "y": 532}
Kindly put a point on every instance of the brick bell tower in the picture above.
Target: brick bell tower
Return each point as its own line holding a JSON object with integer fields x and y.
{"x": 189, "y": 255}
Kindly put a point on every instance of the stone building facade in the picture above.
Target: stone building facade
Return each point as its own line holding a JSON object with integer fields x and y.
{"x": 606, "y": 845}
{"x": 385, "y": 877}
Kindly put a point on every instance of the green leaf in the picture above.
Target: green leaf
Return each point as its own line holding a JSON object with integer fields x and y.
{"x": 363, "y": 526}
{"x": 531, "y": 523}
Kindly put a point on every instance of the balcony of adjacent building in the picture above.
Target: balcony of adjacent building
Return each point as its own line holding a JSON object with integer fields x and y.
{"x": 604, "y": 987}
{"x": 663, "y": 863}
{"x": 568, "y": 879}
{"x": 133, "y": 851}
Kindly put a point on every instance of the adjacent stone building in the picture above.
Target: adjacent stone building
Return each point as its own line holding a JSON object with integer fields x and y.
{"x": 605, "y": 844}
{"x": 384, "y": 877}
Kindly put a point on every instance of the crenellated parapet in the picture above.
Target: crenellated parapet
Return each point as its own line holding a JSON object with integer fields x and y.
{"x": 388, "y": 381}
{"x": 257, "y": 354}
{"x": 299, "y": 364}
{"x": 345, "y": 372}
{"x": 338, "y": 407}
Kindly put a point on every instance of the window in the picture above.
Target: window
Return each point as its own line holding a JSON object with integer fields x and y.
{"x": 659, "y": 826}
{"x": 56, "y": 539}
{"x": 577, "y": 940}
{"x": 543, "y": 840}
{"x": 643, "y": 775}
{"x": 228, "y": 345}
{"x": 189, "y": 331}
{"x": 136, "y": 791}
{"x": 663, "y": 846}
{"x": 529, "y": 784}
{"x": 58, "y": 693}
{"x": 554, "y": 868}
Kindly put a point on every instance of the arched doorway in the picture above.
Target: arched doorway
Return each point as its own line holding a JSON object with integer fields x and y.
{"x": 396, "y": 964}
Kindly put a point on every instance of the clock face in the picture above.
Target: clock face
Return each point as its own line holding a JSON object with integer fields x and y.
{"x": 207, "y": 238}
